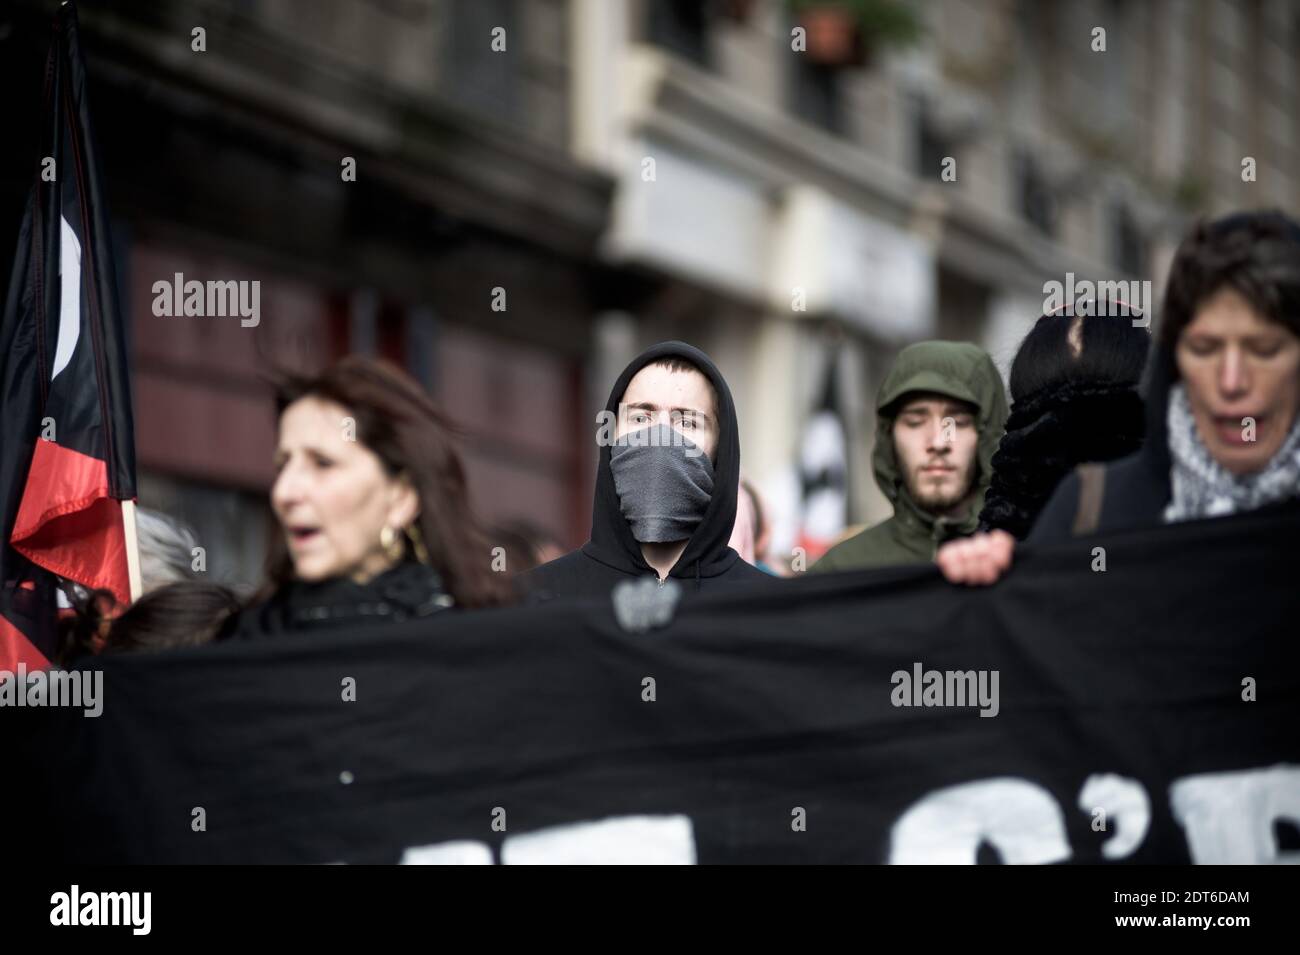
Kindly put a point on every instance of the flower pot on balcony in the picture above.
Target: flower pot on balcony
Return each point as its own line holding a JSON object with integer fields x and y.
{"x": 833, "y": 35}
{"x": 738, "y": 11}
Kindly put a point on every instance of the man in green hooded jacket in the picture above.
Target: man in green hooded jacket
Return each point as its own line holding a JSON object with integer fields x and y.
{"x": 940, "y": 414}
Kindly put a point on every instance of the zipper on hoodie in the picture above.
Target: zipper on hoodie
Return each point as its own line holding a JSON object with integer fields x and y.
{"x": 936, "y": 536}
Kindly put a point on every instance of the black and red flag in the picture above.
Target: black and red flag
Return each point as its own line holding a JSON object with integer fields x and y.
{"x": 67, "y": 445}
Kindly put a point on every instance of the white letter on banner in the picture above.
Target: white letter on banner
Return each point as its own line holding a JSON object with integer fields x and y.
{"x": 1127, "y": 801}
{"x": 1229, "y": 816}
{"x": 623, "y": 840}
{"x": 459, "y": 852}
{"x": 1018, "y": 818}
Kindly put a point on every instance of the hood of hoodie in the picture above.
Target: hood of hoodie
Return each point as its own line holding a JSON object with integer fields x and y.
{"x": 958, "y": 370}
{"x": 707, "y": 553}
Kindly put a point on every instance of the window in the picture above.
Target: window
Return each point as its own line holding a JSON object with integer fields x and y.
{"x": 679, "y": 26}
{"x": 815, "y": 97}
{"x": 930, "y": 145}
{"x": 1037, "y": 204}
{"x": 475, "y": 76}
{"x": 1130, "y": 252}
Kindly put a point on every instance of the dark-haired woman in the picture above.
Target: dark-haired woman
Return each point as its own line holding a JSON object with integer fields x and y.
{"x": 1222, "y": 401}
{"x": 187, "y": 613}
{"x": 373, "y": 508}
{"x": 1074, "y": 393}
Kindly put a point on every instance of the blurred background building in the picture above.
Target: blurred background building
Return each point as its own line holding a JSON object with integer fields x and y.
{"x": 544, "y": 187}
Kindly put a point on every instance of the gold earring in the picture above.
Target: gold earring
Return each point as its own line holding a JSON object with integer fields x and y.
{"x": 417, "y": 543}
{"x": 391, "y": 543}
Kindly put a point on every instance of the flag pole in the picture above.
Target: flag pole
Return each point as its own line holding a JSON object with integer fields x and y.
{"x": 132, "y": 549}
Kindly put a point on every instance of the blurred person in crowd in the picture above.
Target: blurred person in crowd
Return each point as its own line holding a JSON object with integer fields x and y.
{"x": 373, "y": 508}
{"x": 1222, "y": 401}
{"x": 526, "y": 545}
{"x": 166, "y": 554}
{"x": 666, "y": 482}
{"x": 187, "y": 613}
{"x": 1074, "y": 398}
{"x": 166, "y": 549}
{"x": 939, "y": 416}
{"x": 742, "y": 533}
{"x": 762, "y": 528}
{"x": 751, "y": 537}
{"x": 546, "y": 546}
{"x": 166, "y": 557}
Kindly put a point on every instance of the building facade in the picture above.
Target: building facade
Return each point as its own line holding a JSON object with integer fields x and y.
{"x": 543, "y": 187}
{"x": 463, "y": 247}
{"x": 822, "y": 213}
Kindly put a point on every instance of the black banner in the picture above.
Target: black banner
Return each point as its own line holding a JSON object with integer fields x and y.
{"x": 1141, "y": 692}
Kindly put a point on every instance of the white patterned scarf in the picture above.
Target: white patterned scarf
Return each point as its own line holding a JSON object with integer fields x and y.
{"x": 1204, "y": 488}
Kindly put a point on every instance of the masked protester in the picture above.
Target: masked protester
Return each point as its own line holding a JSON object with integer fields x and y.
{"x": 666, "y": 483}
{"x": 1222, "y": 401}
{"x": 1074, "y": 391}
{"x": 939, "y": 415}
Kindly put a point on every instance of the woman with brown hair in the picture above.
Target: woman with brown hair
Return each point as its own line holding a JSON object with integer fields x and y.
{"x": 372, "y": 506}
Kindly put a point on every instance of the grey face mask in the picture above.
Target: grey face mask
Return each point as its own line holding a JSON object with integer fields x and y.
{"x": 664, "y": 483}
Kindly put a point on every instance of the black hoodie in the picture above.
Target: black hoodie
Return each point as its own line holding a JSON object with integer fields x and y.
{"x": 613, "y": 554}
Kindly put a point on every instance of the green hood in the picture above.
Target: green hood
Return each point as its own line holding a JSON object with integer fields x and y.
{"x": 956, "y": 369}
